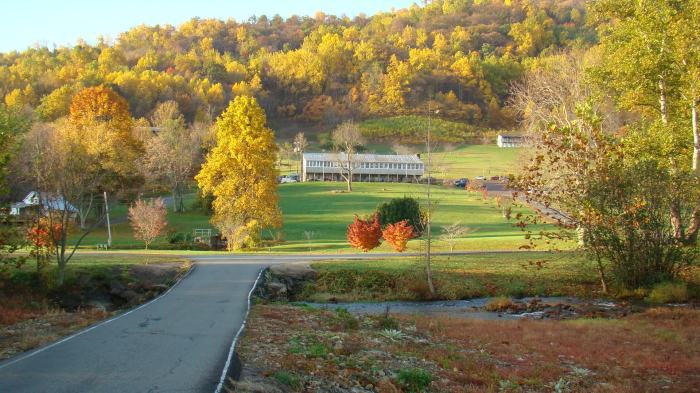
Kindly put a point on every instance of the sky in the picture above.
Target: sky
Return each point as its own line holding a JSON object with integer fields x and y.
{"x": 26, "y": 23}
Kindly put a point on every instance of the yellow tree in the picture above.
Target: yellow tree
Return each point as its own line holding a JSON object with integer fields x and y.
{"x": 240, "y": 173}
{"x": 99, "y": 121}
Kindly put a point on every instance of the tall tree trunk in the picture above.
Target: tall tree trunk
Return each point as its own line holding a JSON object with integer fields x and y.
{"x": 601, "y": 274}
{"x": 84, "y": 211}
{"x": 691, "y": 234}
{"x": 662, "y": 101}
{"x": 696, "y": 137}
{"x": 676, "y": 223}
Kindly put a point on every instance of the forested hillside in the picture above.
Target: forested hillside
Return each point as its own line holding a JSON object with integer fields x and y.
{"x": 459, "y": 55}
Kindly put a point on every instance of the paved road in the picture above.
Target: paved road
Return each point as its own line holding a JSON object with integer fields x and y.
{"x": 178, "y": 343}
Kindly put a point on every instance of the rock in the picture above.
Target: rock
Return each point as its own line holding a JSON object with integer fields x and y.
{"x": 98, "y": 305}
{"x": 129, "y": 295}
{"x": 277, "y": 290}
{"x": 295, "y": 271}
{"x": 287, "y": 280}
{"x": 116, "y": 287}
{"x": 386, "y": 386}
{"x": 160, "y": 288}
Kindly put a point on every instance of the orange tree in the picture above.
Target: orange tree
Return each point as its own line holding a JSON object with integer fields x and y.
{"x": 365, "y": 234}
{"x": 398, "y": 234}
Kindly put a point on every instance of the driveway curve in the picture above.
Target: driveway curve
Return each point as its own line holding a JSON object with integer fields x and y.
{"x": 177, "y": 343}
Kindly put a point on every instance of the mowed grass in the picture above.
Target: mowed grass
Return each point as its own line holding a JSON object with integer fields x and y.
{"x": 470, "y": 161}
{"x": 316, "y": 216}
{"x": 318, "y": 209}
{"x": 457, "y": 277}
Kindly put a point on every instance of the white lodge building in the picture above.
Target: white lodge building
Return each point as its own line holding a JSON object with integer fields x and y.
{"x": 366, "y": 167}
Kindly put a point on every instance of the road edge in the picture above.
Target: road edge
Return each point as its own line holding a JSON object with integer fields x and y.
{"x": 232, "y": 348}
{"x": 8, "y": 362}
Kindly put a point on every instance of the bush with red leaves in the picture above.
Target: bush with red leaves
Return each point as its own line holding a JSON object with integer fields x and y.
{"x": 398, "y": 234}
{"x": 365, "y": 234}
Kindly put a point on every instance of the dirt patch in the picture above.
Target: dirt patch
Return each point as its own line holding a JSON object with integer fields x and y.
{"x": 298, "y": 348}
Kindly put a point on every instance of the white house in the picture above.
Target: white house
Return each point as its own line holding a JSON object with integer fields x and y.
{"x": 366, "y": 167}
{"x": 510, "y": 140}
{"x": 34, "y": 200}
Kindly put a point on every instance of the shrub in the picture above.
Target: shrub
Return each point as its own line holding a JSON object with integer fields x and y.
{"x": 500, "y": 303}
{"x": 313, "y": 349}
{"x": 338, "y": 281}
{"x": 174, "y": 237}
{"x": 347, "y": 280}
{"x": 365, "y": 234}
{"x": 288, "y": 379}
{"x": 388, "y": 323}
{"x": 345, "y": 319}
{"x": 516, "y": 289}
{"x": 375, "y": 281}
{"x": 668, "y": 292}
{"x": 399, "y": 209}
{"x": 398, "y": 235}
{"x": 414, "y": 379}
{"x": 458, "y": 289}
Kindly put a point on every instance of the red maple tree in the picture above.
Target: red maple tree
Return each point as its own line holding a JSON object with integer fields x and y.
{"x": 365, "y": 234}
{"x": 43, "y": 234}
{"x": 398, "y": 234}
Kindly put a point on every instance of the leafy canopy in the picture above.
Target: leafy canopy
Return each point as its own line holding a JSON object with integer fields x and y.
{"x": 240, "y": 171}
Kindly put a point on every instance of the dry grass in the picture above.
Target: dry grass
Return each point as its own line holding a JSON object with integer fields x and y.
{"x": 657, "y": 350}
{"x": 652, "y": 351}
{"x": 499, "y": 304}
{"x": 44, "y": 328}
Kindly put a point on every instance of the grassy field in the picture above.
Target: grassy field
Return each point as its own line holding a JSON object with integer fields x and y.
{"x": 316, "y": 216}
{"x": 476, "y": 160}
{"x": 457, "y": 277}
{"x": 314, "y": 209}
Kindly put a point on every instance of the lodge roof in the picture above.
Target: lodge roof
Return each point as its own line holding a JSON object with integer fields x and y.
{"x": 393, "y": 158}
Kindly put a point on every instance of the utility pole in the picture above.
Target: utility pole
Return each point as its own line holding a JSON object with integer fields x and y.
{"x": 109, "y": 228}
{"x": 428, "y": 228}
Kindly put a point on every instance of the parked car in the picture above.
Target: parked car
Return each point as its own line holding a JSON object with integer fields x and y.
{"x": 495, "y": 178}
{"x": 480, "y": 178}
{"x": 461, "y": 183}
{"x": 288, "y": 179}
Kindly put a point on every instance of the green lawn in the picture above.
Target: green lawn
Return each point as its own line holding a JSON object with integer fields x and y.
{"x": 320, "y": 210}
{"x": 476, "y": 160}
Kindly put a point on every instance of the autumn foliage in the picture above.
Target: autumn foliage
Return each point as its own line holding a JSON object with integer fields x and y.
{"x": 148, "y": 219}
{"x": 398, "y": 234}
{"x": 44, "y": 235}
{"x": 366, "y": 234}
